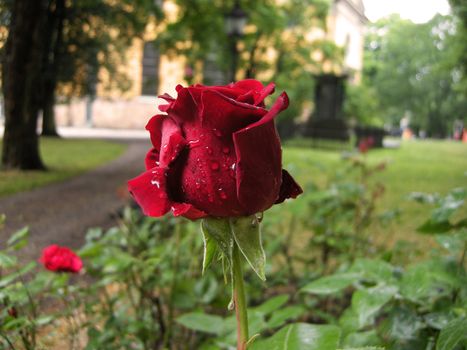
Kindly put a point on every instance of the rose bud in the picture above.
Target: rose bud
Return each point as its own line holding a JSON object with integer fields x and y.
{"x": 60, "y": 259}
{"x": 216, "y": 152}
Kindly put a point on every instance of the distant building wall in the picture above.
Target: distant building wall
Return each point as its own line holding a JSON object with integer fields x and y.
{"x": 347, "y": 29}
{"x": 133, "y": 108}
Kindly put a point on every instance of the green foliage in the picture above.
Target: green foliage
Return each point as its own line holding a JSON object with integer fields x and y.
{"x": 198, "y": 33}
{"x": 415, "y": 70}
{"x": 362, "y": 105}
{"x": 97, "y": 35}
{"x": 147, "y": 292}
{"x": 23, "y": 288}
{"x": 302, "y": 336}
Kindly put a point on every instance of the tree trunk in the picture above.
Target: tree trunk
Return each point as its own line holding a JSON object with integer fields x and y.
{"x": 21, "y": 74}
{"x": 53, "y": 39}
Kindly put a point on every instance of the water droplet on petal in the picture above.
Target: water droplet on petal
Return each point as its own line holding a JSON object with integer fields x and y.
{"x": 217, "y": 132}
{"x": 215, "y": 166}
{"x": 156, "y": 182}
{"x": 226, "y": 150}
{"x": 233, "y": 166}
{"x": 222, "y": 194}
{"x": 209, "y": 150}
{"x": 193, "y": 143}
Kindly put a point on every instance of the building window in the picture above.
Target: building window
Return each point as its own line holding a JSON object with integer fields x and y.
{"x": 150, "y": 78}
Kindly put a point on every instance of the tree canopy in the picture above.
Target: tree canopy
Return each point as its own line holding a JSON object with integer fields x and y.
{"x": 416, "y": 70}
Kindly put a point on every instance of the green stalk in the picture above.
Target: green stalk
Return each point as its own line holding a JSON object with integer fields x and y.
{"x": 240, "y": 300}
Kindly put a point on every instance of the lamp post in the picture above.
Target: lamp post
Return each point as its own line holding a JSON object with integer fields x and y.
{"x": 235, "y": 22}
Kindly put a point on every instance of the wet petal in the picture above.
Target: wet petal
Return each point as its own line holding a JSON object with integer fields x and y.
{"x": 154, "y": 126}
{"x": 152, "y": 159}
{"x": 172, "y": 142}
{"x": 188, "y": 211}
{"x": 184, "y": 108}
{"x": 289, "y": 188}
{"x": 259, "y": 157}
{"x": 221, "y": 112}
{"x": 149, "y": 191}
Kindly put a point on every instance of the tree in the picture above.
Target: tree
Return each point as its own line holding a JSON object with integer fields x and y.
{"x": 21, "y": 64}
{"x": 276, "y": 45}
{"x": 414, "y": 70}
{"x": 58, "y": 41}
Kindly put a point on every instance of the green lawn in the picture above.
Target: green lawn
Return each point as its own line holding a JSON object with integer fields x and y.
{"x": 64, "y": 159}
{"x": 424, "y": 166}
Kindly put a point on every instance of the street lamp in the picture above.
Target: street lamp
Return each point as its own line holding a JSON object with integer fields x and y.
{"x": 235, "y": 22}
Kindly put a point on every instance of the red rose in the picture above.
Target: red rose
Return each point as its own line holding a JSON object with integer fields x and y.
{"x": 215, "y": 153}
{"x": 365, "y": 144}
{"x": 61, "y": 259}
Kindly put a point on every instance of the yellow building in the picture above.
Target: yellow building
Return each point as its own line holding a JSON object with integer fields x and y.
{"x": 152, "y": 72}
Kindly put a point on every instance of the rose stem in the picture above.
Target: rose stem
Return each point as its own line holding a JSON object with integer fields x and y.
{"x": 240, "y": 300}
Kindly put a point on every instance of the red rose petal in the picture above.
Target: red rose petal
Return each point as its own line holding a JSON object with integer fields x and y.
{"x": 164, "y": 108}
{"x": 248, "y": 85}
{"x": 149, "y": 191}
{"x": 268, "y": 90}
{"x": 60, "y": 259}
{"x": 184, "y": 108}
{"x": 188, "y": 211}
{"x": 259, "y": 156}
{"x": 289, "y": 187}
{"x": 223, "y": 113}
{"x": 152, "y": 159}
{"x": 172, "y": 142}
{"x": 154, "y": 126}
{"x": 167, "y": 97}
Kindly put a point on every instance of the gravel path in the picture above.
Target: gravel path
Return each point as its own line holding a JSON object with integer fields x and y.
{"x": 62, "y": 212}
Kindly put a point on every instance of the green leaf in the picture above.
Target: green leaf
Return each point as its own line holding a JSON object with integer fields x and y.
{"x": 435, "y": 227}
{"x": 272, "y": 304}
{"x": 453, "y": 242}
{"x": 210, "y": 248}
{"x": 219, "y": 231}
{"x": 279, "y": 317}
{"x": 427, "y": 280}
{"x": 301, "y": 336}
{"x": 330, "y": 284}
{"x": 364, "y": 348}
{"x": 17, "y": 237}
{"x": 452, "y": 334}
{"x": 361, "y": 339}
{"x": 13, "y": 276}
{"x": 373, "y": 269}
{"x": 7, "y": 261}
{"x": 201, "y": 322}
{"x": 368, "y": 302}
{"x": 247, "y": 235}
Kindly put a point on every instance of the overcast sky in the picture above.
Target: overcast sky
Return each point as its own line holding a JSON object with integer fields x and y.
{"x": 418, "y": 11}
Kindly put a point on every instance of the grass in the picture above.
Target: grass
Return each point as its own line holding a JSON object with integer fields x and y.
{"x": 64, "y": 158}
{"x": 417, "y": 166}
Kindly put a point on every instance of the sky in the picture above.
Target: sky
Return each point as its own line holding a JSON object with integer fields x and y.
{"x": 418, "y": 11}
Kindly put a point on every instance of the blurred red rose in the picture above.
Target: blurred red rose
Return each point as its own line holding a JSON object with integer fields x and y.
{"x": 215, "y": 153}
{"x": 365, "y": 144}
{"x": 60, "y": 259}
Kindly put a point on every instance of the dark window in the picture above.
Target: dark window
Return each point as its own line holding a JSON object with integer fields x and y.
{"x": 150, "y": 80}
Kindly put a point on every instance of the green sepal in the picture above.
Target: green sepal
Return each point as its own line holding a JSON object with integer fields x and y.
{"x": 247, "y": 234}
{"x": 219, "y": 231}
{"x": 210, "y": 249}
